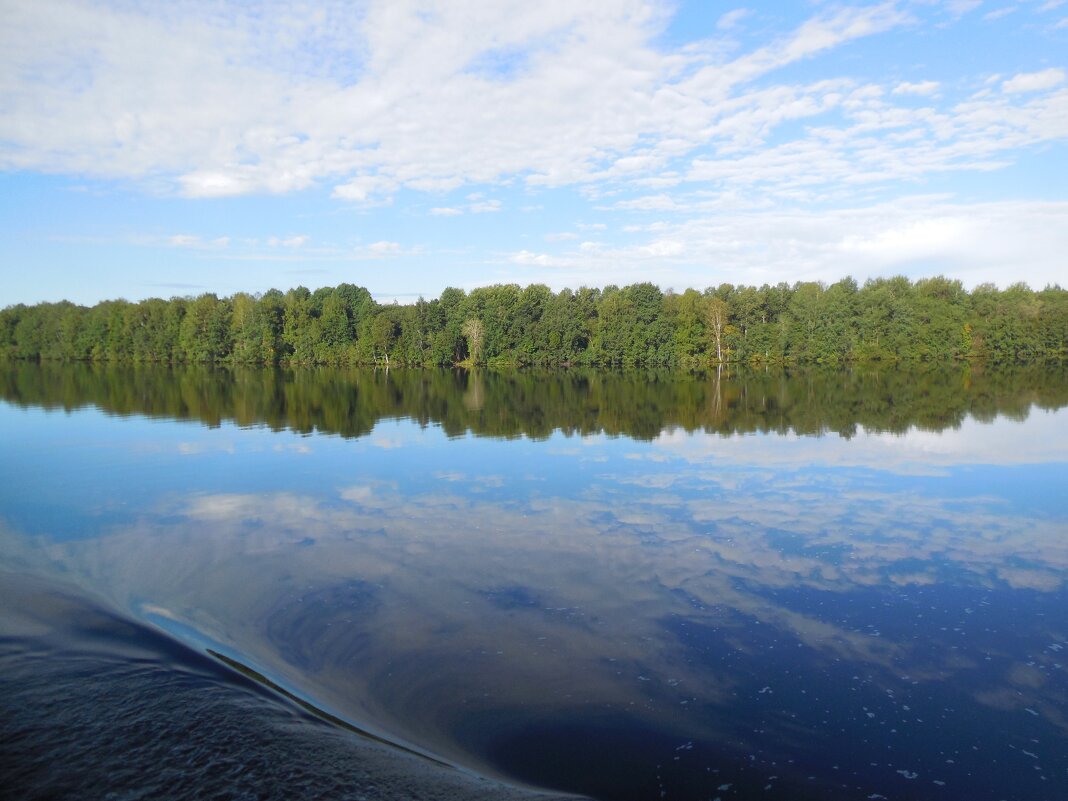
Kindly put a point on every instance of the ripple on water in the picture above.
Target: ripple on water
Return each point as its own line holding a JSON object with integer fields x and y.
{"x": 96, "y": 706}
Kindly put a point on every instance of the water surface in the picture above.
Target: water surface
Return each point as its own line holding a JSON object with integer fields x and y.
{"x": 637, "y": 585}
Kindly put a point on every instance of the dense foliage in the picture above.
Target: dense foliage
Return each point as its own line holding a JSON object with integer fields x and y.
{"x": 883, "y": 320}
{"x": 535, "y": 403}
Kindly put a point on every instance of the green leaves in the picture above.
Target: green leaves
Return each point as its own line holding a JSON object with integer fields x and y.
{"x": 638, "y": 325}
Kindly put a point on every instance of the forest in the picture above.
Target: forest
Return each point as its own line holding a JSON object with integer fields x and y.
{"x": 883, "y": 320}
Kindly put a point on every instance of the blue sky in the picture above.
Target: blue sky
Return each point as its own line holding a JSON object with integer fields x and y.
{"x": 172, "y": 149}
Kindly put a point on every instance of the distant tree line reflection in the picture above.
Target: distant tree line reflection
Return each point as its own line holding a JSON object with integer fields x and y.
{"x": 510, "y": 403}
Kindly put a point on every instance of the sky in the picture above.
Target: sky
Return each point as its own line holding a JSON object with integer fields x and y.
{"x": 163, "y": 149}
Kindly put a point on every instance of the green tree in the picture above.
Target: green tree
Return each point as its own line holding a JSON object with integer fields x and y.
{"x": 716, "y": 314}
{"x": 475, "y": 332}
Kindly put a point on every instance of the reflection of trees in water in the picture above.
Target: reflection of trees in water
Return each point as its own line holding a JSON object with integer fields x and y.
{"x": 638, "y": 404}
{"x": 717, "y": 394}
{"x": 475, "y": 394}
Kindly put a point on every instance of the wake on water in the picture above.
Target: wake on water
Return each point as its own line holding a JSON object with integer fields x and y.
{"x": 94, "y": 705}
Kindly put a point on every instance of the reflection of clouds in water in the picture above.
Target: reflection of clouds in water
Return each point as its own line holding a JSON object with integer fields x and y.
{"x": 1021, "y": 578}
{"x": 372, "y": 495}
{"x": 358, "y": 494}
{"x": 450, "y": 475}
{"x": 650, "y": 481}
{"x": 474, "y": 482}
{"x": 414, "y": 611}
{"x": 1043, "y": 440}
{"x": 293, "y": 447}
{"x": 605, "y": 571}
{"x": 279, "y": 511}
{"x": 837, "y": 530}
{"x": 201, "y": 447}
{"x": 651, "y": 457}
{"x": 773, "y": 538}
{"x": 858, "y": 537}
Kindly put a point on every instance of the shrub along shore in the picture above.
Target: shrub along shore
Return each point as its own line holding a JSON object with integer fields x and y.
{"x": 507, "y": 325}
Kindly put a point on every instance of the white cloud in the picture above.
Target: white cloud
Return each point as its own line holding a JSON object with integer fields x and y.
{"x": 960, "y": 7}
{"x": 478, "y": 206}
{"x": 529, "y": 258}
{"x": 915, "y": 239}
{"x": 746, "y": 165}
{"x": 485, "y": 207}
{"x": 216, "y": 184}
{"x": 921, "y": 88}
{"x": 998, "y": 13}
{"x": 976, "y": 243}
{"x": 287, "y": 242}
{"x": 731, "y": 19}
{"x": 661, "y": 248}
{"x": 1034, "y": 81}
{"x": 365, "y": 187}
{"x": 880, "y": 142}
{"x": 384, "y": 247}
{"x": 221, "y": 101}
{"x": 196, "y": 242}
{"x": 649, "y": 203}
{"x": 203, "y": 101}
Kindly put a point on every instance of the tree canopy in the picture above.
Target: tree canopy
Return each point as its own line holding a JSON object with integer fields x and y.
{"x": 886, "y": 319}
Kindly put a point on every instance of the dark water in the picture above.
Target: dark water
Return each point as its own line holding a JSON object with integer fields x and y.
{"x": 825, "y": 585}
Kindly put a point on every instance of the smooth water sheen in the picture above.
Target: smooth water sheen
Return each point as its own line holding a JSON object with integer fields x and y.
{"x": 825, "y": 585}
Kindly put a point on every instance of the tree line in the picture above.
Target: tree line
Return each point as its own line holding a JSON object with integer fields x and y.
{"x": 639, "y": 403}
{"x": 885, "y": 319}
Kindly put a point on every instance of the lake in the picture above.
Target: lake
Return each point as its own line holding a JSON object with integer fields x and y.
{"x": 256, "y": 583}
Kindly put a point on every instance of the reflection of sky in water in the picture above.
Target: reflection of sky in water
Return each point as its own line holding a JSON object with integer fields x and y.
{"x": 857, "y": 611}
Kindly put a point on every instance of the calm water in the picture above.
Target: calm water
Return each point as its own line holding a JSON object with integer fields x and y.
{"x": 826, "y": 585}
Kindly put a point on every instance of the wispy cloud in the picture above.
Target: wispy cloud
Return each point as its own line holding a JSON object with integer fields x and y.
{"x": 998, "y": 13}
{"x": 383, "y": 247}
{"x": 485, "y": 206}
{"x": 921, "y": 88}
{"x": 1035, "y": 81}
{"x": 221, "y": 104}
{"x": 763, "y": 140}
{"x": 197, "y": 242}
{"x": 287, "y": 242}
{"x": 731, "y": 19}
{"x": 709, "y": 244}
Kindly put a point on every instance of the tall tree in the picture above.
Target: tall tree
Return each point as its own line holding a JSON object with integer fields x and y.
{"x": 716, "y": 313}
{"x": 475, "y": 332}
